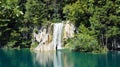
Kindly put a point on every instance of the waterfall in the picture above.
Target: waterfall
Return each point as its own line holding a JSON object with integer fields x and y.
{"x": 51, "y": 37}
{"x": 57, "y": 35}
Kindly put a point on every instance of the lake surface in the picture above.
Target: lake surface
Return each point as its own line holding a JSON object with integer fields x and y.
{"x": 27, "y": 58}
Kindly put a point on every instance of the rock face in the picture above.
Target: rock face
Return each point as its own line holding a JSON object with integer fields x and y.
{"x": 68, "y": 30}
{"x": 51, "y": 38}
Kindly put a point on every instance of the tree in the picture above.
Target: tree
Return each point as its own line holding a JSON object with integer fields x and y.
{"x": 10, "y": 16}
{"x": 98, "y": 18}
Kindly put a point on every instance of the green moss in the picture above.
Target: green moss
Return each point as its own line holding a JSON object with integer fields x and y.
{"x": 34, "y": 45}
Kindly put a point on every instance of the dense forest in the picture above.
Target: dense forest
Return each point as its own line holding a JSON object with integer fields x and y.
{"x": 97, "y": 22}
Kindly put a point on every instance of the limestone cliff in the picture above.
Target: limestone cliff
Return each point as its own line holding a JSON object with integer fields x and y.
{"x": 51, "y": 37}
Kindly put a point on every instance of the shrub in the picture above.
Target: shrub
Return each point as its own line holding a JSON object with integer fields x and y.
{"x": 83, "y": 42}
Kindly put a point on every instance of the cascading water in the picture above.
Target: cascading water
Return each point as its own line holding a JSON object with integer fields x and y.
{"x": 60, "y": 30}
{"x": 57, "y": 35}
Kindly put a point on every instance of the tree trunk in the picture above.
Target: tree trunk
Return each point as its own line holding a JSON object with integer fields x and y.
{"x": 112, "y": 45}
{"x": 102, "y": 40}
{"x": 106, "y": 41}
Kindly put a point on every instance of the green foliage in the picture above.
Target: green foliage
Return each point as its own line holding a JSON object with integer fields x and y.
{"x": 10, "y": 16}
{"x": 34, "y": 45}
{"x": 83, "y": 42}
{"x": 97, "y": 20}
{"x": 35, "y": 11}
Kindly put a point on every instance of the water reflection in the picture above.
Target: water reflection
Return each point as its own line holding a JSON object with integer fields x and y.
{"x": 27, "y": 58}
{"x": 15, "y": 58}
{"x": 52, "y": 59}
{"x": 44, "y": 59}
{"x": 76, "y": 59}
{"x": 66, "y": 59}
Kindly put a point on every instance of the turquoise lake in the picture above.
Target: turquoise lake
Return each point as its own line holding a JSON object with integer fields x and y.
{"x": 27, "y": 58}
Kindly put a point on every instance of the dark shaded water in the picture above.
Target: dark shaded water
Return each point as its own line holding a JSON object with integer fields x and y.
{"x": 27, "y": 58}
